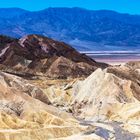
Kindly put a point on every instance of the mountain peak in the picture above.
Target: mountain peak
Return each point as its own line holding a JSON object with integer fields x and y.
{"x": 104, "y": 28}
{"x": 34, "y": 54}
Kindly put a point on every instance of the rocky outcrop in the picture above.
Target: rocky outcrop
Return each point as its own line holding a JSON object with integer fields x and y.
{"x": 25, "y": 115}
{"x": 36, "y": 54}
{"x": 133, "y": 64}
{"x": 24, "y": 86}
{"x": 63, "y": 68}
{"x": 129, "y": 71}
{"x": 103, "y": 96}
{"x": 103, "y": 105}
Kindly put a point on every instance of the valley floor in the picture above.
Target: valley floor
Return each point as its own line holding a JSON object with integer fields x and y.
{"x": 114, "y": 57}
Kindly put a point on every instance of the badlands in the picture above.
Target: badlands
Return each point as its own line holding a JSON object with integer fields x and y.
{"x": 49, "y": 91}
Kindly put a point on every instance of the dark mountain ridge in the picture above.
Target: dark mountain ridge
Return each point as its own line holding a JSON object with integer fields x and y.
{"x": 35, "y": 55}
{"x": 84, "y": 29}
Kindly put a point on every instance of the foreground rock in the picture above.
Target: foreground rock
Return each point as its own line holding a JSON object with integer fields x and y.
{"x": 39, "y": 55}
{"x": 109, "y": 97}
{"x": 23, "y": 86}
{"x": 105, "y": 106}
{"x": 23, "y": 116}
{"x": 103, "y": 95}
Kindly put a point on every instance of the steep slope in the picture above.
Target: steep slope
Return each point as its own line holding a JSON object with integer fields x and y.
{"x": 36, "y": 54}
{"x": 4, "y": 40}
{"x": 76, "y": 26}
{"x": 106, "y": 99}
{"x": 26, "y": 112}
{"x": 104, "y": 96}
{"x": 63, "y": 68}
{"x": 129, "y": 71}
{"x": 24, "y": 117}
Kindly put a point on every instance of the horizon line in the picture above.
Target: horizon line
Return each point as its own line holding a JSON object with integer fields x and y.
{"x": 70, "y": 8}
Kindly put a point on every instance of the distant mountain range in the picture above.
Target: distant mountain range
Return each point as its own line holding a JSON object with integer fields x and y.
{"x": 84, "y": 29}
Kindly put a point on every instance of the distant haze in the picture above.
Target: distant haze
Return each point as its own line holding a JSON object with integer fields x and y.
{"x": 83, "y": 29}
{"x": 122, "y": 6}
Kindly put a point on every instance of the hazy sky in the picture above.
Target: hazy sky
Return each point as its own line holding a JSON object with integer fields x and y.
{"x": 123, "y": 6}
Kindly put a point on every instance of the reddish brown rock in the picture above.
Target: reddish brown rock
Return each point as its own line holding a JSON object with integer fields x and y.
{"x": 63, "y": 68}
{"x": 38, "y": 54}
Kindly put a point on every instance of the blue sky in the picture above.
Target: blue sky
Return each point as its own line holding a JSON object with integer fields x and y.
{"x": 123, "y": 6}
